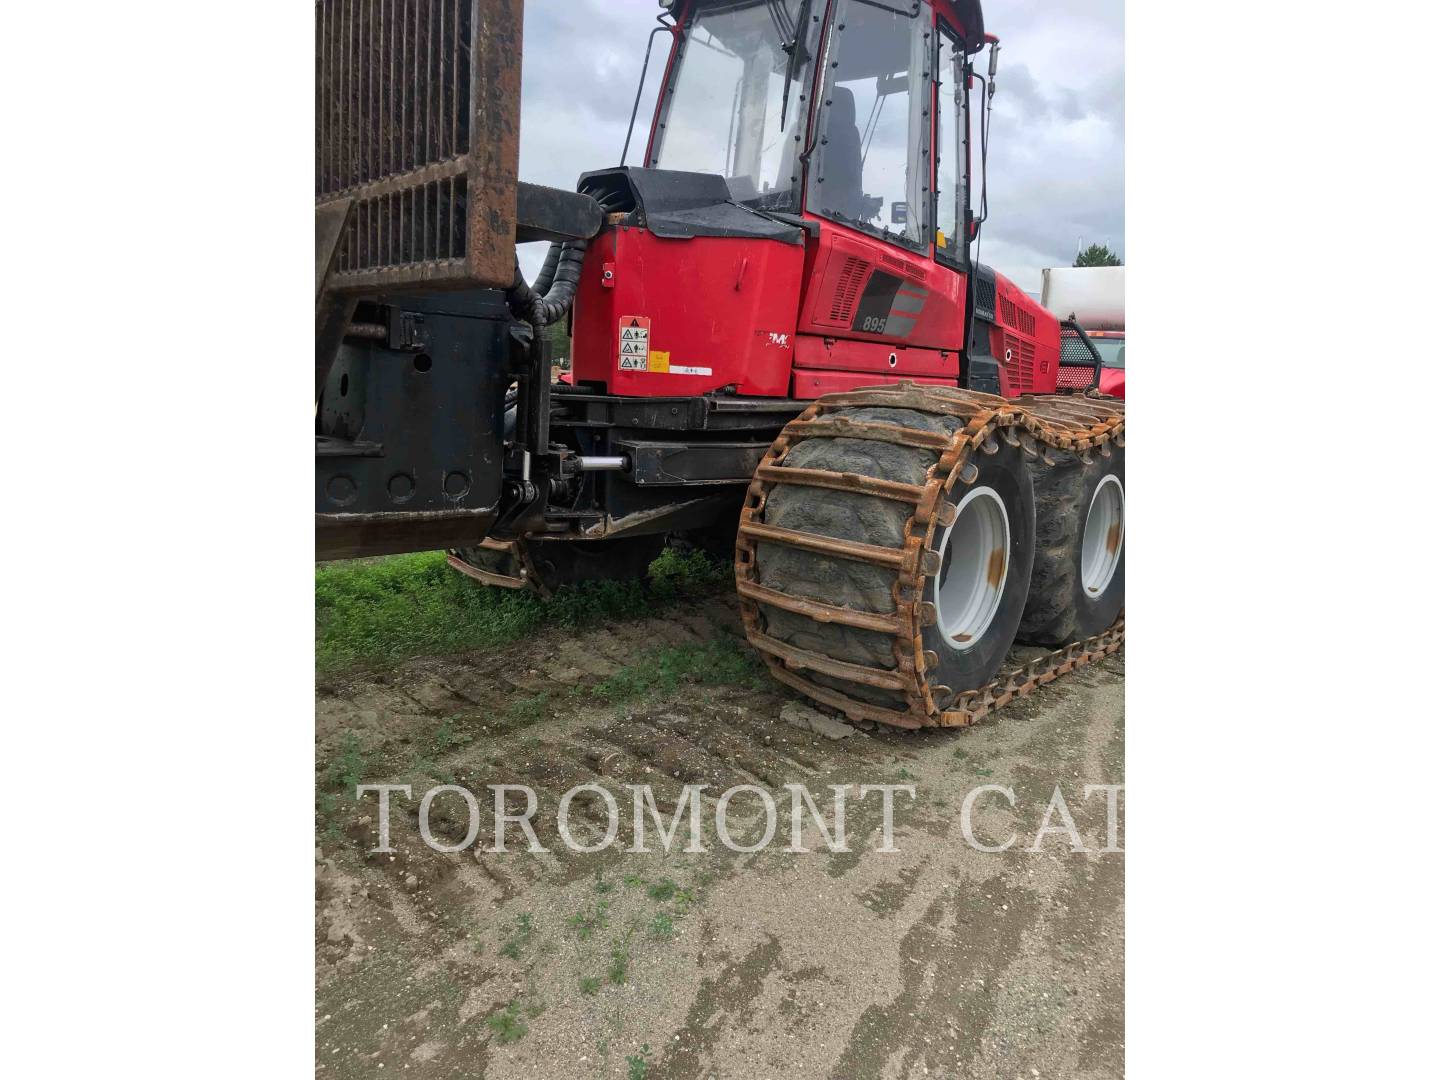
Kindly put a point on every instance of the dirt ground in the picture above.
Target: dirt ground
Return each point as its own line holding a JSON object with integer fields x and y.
{"x": 936, "y": 960}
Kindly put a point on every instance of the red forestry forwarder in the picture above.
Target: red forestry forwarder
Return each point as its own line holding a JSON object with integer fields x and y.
{"x": 783, "y": 345}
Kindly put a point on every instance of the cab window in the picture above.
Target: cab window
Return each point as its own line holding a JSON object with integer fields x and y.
{"x": 870, "y": 166}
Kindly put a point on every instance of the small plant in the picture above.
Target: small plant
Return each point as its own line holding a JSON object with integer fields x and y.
{"x": 631, "y": 880}
{"x": 984, "y": 772}
{"x": 534, "y": 1007}
{"x": 589, "y": 985}
{"x": 685, "y": 895}
{"x": 906, "y": 774}
{"x": 638, "y": 1064}
{"x": 619, "y": 969}
{"x": 507, "y": 1025}
{"x": 662, "y": 926}
{"x": 446, "y": 737}
{"x": 601, "y": 885}
{"x": 586, "y": 923}
{"x": 662, "y": 890}
{"x": 519, "y": 939}
{"x": 348, "y": 769}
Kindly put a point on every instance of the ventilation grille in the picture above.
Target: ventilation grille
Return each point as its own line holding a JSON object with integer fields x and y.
{"x": 852, "y": 276}
{"x": 1015, "y": 316}
{"x": 899, "y": 265}
{"x": 397, "y": 132}
{"x": 985, "y": 298}
{"x": 1073, "y": 350}
{"x": 1072, "y": 377}
{"x": 1077, "y": 366}
{"x": 1019, "y": 363}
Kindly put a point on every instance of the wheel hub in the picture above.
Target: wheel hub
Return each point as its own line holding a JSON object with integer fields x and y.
{"x": 975, "y": 563}
{"x": 1104, "y": 538}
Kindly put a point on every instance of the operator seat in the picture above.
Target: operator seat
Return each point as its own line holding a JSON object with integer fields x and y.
{"x": 843, "y": 190}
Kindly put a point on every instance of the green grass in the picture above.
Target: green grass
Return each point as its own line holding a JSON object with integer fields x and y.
{"x": 589, "y": 985}
{"x": 719, "y": 662}
{"x": 387, "y": 610}
{"x": 662, "y": 926}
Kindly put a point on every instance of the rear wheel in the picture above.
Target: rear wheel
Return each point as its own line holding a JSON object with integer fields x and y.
{"x": 1078, "y": 585}
{"x": 977, "y": 576}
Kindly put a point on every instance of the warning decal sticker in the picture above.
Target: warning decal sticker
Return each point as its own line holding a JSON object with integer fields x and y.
{"x": 634, "y": 342}
{"x": 636, "y": 354}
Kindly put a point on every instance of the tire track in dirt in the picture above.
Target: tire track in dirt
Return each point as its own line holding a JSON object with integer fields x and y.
{"x": 863, "y": 964}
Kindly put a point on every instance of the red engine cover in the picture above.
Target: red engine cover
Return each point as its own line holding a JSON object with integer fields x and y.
{"x": 683, "y": 317}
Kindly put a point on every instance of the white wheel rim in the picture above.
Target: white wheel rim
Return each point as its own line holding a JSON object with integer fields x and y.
{"x": 974, "y": 566}
{"x": 1104, "y": 539}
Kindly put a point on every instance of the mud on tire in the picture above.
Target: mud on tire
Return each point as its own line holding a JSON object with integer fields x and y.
{"x": 883, "y": 522}
{"x": 1071, "y": 596}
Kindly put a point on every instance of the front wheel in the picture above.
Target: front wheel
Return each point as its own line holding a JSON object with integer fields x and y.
{"x": 837, "y": 616}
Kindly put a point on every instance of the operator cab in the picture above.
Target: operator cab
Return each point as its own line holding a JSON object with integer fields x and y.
{"x": 740, "y": 100}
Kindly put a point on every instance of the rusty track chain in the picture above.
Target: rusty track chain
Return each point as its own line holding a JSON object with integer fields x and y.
{"x": 1085, "y": 425}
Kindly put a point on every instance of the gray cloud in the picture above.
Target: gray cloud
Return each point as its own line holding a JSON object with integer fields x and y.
{"x": 1057, "y": 147}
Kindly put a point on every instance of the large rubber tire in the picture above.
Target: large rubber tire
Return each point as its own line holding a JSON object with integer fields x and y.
{"x": 557, "y": 563}
{"x": 873, "y": 520}
{"x": 1061, "y": 609}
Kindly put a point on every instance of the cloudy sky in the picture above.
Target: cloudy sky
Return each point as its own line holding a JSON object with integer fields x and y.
{"x": 1057, "y": 142}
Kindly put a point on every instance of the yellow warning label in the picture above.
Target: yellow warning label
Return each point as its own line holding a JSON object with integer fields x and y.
{"x": 659, "y": 361}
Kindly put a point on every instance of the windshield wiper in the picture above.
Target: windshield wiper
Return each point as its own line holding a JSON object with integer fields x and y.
{"x": 793, "y": 50}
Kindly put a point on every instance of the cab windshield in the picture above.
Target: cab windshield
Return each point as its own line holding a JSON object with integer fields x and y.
{"x": 726, "y": 96}
{"x": 1111, "y": 350}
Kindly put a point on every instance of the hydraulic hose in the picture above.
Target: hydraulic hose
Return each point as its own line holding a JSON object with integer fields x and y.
{"x": 555, "y": 286}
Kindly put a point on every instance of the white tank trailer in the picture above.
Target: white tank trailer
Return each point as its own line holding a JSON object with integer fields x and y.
{"x": 1095, "y": 295}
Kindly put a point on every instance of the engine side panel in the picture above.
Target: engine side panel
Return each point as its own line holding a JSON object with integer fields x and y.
{"x": 1024, "y": 338}
{"x": 867, "y": 290}
{"x": 701, "y": 314}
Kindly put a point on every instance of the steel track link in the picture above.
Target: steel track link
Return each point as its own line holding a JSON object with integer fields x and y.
{"x": 1039, "y": 425}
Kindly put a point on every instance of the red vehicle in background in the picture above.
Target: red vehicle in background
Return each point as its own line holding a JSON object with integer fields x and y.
{"x": 1094, "y": 296}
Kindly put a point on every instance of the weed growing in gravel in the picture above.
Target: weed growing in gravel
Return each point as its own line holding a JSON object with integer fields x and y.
{"x": 589, "y": 985}
{"x": 507, "y": 1025}
{"x": 619, "y": 969}
{"x": 525, "y": 711}
{"x": 446, "y": 737}
{"x": 586, "y": 923}
{"x": 662, "y": 890}
{"x": 519, "y": 939}
{"x": 638, "y": 1065}
{"x": 601, "y": 885}
{"x": 346, "y": 770}
{"x": 663, "y": 927}
{"x": 386, "y": 610}
{"x": 631, "y": 880}
{"x": 339, "y": 777}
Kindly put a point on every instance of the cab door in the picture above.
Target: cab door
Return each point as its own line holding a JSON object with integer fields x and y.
{"x": 876, "y": 295}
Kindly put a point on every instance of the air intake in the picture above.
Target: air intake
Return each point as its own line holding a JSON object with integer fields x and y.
{"x": 852, "y": 277}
